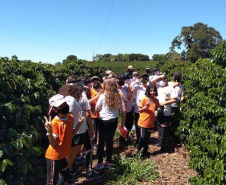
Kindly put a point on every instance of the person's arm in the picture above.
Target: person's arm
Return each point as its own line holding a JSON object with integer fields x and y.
{"x": 143, "y": 105}
{"x": 89, "y": 120}
{"x": 174, "y": 84}
{"x": 134, "y": 83}
{"x": 123, "y": 116}
{"x": 153, "y": 80}
{"x": 80, "y": 121}
{"x": 174, "y": 100}
{"x": 182, "y": 99}
{"x": 48, "y": 127}
{"x": 129, "y": 92}
{"x": 96, "y": 97}
{"x": 142, "y": 109}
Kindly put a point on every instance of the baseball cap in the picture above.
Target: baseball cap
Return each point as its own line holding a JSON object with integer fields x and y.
{"x": 126, "y": 75}
{"x": 120, "y": 76}
{"x": 155, "y": 69}
{"x": 177, "y": 73}
{"x": 56, "y": 101}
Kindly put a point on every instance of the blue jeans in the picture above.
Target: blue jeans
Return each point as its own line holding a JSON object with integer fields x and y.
{"x": 54, "y": 168}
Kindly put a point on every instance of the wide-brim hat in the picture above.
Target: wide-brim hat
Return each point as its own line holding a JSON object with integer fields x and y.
{"x": 95, "y": 78}
{"x": 130, "y": 67}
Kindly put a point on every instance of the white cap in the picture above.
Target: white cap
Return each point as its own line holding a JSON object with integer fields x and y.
{"x": 56, "y": 101}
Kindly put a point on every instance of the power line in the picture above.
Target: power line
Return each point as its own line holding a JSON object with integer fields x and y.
{"x": 129, "y": 24}
{"x": 105, "y": 25}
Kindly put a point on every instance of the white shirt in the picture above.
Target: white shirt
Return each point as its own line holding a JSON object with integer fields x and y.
{"x": 75, "y": 107}
{"x": 164, "y": 94}
{"x": 139, "y": 93}
{"x": 128, "y": 103}
{"x": 106, "y": 113}
{"x": 179, "y": 91}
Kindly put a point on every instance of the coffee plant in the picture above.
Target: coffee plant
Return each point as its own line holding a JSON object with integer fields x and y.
{"x": 25, "y": 89}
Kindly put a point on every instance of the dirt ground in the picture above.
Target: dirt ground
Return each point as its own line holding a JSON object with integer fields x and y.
{"x": 172, "y": 166}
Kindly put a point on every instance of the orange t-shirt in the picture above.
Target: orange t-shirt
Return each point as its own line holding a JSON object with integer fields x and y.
{"x": 93, "y": 93}
{"x": 147, "y": 117}
{"x": 63, "y": 130}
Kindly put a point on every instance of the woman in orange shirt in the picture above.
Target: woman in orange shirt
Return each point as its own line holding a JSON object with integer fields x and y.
{"x": 148, "y": 108}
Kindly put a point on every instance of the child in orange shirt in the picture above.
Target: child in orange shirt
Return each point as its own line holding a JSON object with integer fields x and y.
{"x": 148, "y": 106}
{"x": 60, "y": 132}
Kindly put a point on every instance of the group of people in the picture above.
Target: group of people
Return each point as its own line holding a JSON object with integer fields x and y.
{"x": 83, "y": 117}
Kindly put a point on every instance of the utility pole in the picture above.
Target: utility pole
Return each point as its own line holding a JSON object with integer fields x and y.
{"x": 93, "y": 56}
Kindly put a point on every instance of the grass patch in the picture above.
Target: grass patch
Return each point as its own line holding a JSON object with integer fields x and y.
{"x": 131, "y": 170}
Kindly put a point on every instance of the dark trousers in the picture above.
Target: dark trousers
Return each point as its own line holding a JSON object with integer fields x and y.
{"x": 175, "y": 121}
{"x": 54, "y": 168}
{"x": 95, "y": 122}
{"x": 163, "y": 129}
{"x": 144, "y": 139}
{"x": 128, "y": 124}
{"x": 106, "y": 133}
{"x": 137, "y": 115}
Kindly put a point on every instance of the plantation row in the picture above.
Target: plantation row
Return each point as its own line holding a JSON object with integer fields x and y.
{"x": 26, "y": 87}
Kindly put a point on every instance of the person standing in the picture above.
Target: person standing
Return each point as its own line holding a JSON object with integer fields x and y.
{"x": 166, "y": 96}
{"x": 95, "y": 92}
{"x": 148, "y": 109}
{"x": 139, "y": 93}
{"x": 60, "y": 133}
{"x": 108, "y": 106}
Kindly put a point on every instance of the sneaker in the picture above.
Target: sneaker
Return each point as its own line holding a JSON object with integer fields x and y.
{"x": 163, "y": 150}
{"x": 94, "y": 175}
{"x": 99, "y": 166}
{"x": 80, "y": 160}
{"x": 158, "y": 144}
{"x": 108, "y": 165}
{"x": 71, "y": 182}
{"x": 147, "y": 155}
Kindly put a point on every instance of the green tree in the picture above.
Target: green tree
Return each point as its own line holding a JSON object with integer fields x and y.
{"x": 198, "y": 40}
{"x": 173, "y": 56}
{"x": 69, "y": 59}
{"x": 219, "y": 54}
{"x": 159, "y": 57}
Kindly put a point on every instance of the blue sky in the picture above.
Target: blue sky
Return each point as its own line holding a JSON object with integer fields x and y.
{"x": 50, "y": 30}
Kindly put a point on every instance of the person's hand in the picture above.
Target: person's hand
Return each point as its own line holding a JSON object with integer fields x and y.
{"x": 122, "y": 124}
{"x": 80, "y": 117}
{"x": 147, "y": 104}
{"x": 48, "y": 125}
{"x": 162, "y": 103}
{"x": 163, "y": 76}
{"x": 176, "y": 84}
{"x": 101, "y": 91}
